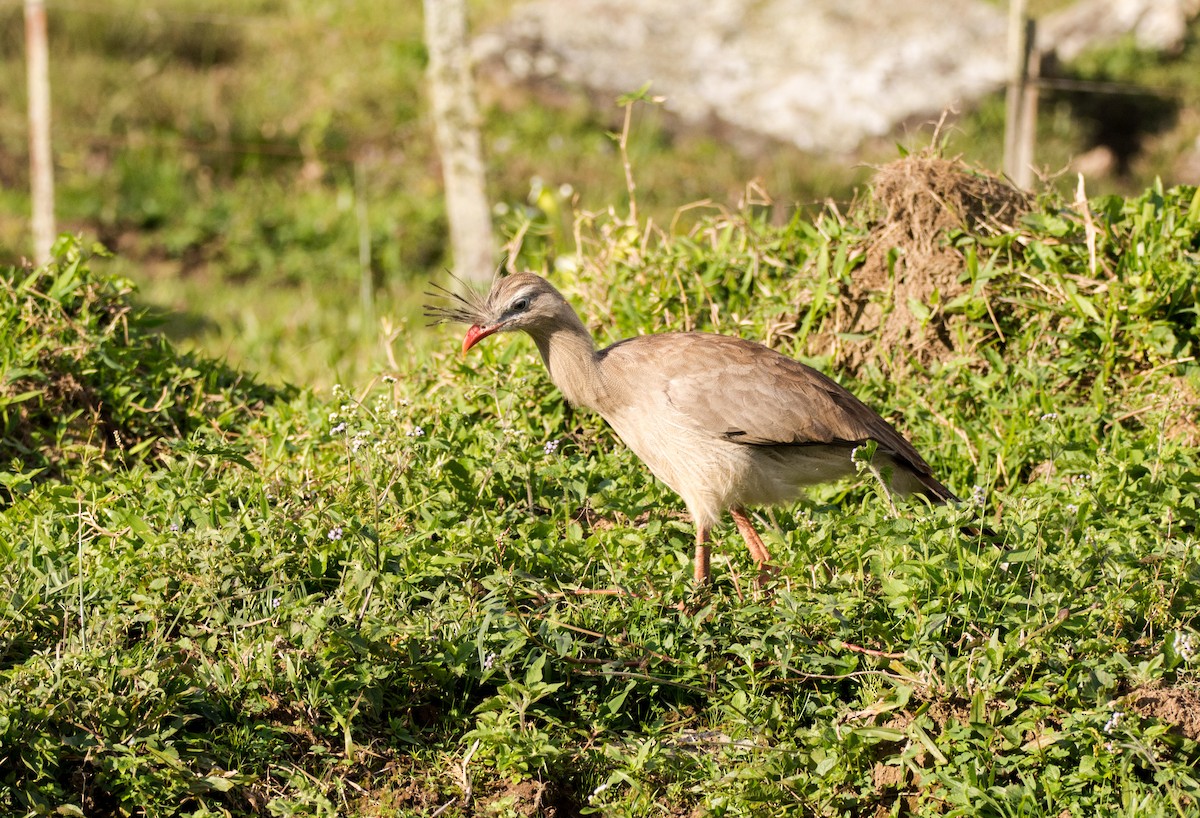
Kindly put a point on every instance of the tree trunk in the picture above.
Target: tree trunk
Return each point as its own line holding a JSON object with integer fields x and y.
{"x": 456, "y": 122}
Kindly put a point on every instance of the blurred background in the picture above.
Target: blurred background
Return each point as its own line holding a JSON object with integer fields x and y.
{"x": 266, "y": 170}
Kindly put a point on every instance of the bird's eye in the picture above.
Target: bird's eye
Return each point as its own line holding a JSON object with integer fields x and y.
{"x": 520, "y": 305}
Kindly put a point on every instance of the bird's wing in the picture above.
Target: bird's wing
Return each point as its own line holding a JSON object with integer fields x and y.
{"x": 750, "y": 394}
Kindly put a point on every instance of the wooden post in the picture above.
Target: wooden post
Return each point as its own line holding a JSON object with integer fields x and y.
{"x": 1020, "y": 119}
{"x": 1027, "y": 134}
{"x": 456, "y": 126}
{"x": 41, "y": 161}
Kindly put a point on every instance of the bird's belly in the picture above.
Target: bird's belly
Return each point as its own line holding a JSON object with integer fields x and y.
{"x": 777, "y": 474}
{"x": 712, "y": 474}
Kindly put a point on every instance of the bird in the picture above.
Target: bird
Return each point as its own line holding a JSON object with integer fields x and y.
{"x": 726, "y": 423}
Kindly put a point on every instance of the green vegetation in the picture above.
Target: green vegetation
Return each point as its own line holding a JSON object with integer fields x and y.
{"x": 263, "y": 139}
{"x": 418, "y": 584}
{"x": 237, "y": 140}
{"x": 78, "y": 386}
{"x": 439, "y": 589}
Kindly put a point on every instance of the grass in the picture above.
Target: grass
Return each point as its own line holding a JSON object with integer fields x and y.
{"x": 434, "y": 587}
{"x": 238, "y": 142}
{"x": 417, "y": 583}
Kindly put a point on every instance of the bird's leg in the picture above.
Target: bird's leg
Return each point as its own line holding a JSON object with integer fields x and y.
{"x": 703, "y": 556}
{"x": 754, "y": 542}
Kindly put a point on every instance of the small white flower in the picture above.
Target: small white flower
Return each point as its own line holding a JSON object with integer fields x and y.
{"x": 335, "y": 533}
{"x": 551, "y": 446}
{"x": 416, "y": 431}
{"x": 360, "y": 440}
{"x": 1113, "y": 721}
{"x": 1050, "y": 416}
{"x": 1185, "y": 646}
{"x": 978, "y": 495}
{"x": 488, "y": 660}
{"x": 174, "y": 526}
{"x": 337, "y": 430}
{"x": 389, "y": 378}
{"x": 276, "y": 602}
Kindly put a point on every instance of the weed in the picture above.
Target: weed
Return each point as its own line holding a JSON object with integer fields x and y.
{"x": 437, "y": 589}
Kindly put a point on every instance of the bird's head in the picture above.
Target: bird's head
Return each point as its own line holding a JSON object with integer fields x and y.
{"x": 522, "y": 301}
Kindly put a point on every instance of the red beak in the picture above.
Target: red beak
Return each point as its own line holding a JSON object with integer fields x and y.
{"x": 476, "y": 334}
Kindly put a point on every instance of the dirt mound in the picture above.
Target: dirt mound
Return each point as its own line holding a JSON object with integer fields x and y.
{"x": 532, "y": 799}
{"x": 1177, "y": 706}
{"x": 895, "y": 302}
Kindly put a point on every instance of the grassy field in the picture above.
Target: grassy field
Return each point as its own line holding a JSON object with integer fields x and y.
{"x": 237, "y": 159}
{"x": 274, "y": 550}
{"x": 436, "y": 590}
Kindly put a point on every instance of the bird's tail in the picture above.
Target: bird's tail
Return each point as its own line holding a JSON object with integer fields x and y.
{"x": 929, "y": 486}
{"x": 907, "y": 479}
{"x": 910, "y": 481}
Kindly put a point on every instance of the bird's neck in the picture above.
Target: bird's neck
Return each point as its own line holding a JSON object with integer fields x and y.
{"x": 570, "y": 356}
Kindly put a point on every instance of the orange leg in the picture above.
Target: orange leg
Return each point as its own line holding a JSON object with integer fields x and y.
{"x": 701, "y": 565}
{"x": 758, "y": 551}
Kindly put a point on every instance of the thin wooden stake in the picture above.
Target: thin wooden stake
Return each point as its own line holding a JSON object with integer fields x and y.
{"x": 1012, "y": 107}
{"x": 1020, "y": 119}
{"x": 41, "y": 161}
{"x": 1027, "y": 132}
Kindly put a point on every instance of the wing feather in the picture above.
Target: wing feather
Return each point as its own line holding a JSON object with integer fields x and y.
{"x": 750, "y": 394}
